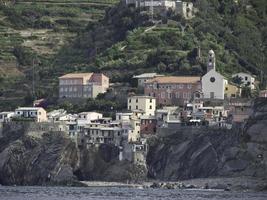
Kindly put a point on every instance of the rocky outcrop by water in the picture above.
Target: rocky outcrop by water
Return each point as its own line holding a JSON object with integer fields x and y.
{"x": 29, "y": 160}
{"x": 206, "y": 152}
{"x": 49, "y": 158}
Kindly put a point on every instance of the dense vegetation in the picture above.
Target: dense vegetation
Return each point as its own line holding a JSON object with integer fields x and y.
{"x": 125, "y": 42}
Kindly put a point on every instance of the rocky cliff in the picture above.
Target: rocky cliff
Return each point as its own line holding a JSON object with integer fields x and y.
{"x": 29, "y": 160}
{"x": 34, "y": 158}
{"x": 205, "y": 152}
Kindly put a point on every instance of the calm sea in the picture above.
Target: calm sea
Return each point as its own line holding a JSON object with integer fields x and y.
{"x": 113, "y": 193}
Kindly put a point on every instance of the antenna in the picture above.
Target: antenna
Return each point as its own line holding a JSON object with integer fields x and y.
{"x": 33, "y": 79}
{"x": 151, "y": 9}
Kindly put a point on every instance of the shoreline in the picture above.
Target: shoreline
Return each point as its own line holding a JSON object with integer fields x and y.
{"x": 216, "y": 183}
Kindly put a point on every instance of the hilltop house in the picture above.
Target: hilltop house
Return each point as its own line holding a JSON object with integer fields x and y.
{"x": 36, "y": 113}
{"x": 246, "y": 79}
{"x": 172, "y": 90}
{"x": 263, "y": 93}
{"x": 145, "y": 104}
{"x": 6, "y": 116}
{"x": 143, "y": 78}
{"x": 185, "y": 9}
{"x": 82, "y": 85}
{"x": 213, "y": 83}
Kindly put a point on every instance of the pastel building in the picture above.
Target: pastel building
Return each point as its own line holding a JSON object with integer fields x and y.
{"x": 82, "y": 85}
{"x": 36, "y": 113}
{"x": 172, "y": 90}
{"x": 145, "y": 104}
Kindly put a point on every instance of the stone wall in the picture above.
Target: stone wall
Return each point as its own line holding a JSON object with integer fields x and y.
{"x": 33, "y": 128}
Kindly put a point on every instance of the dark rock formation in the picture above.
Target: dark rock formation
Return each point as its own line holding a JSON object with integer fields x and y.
{"x": 203, "y": 152}
{"x": 101, "y": 163}
{"x": 29, "y": 160}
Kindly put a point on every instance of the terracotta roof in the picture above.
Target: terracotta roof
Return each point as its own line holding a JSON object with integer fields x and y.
{"x": 77, "y": 75}
{"x": 175, "y": 79}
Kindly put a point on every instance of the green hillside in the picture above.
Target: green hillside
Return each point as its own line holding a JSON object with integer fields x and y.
{"x": 34, "y": 32}
{"x": 123, "y": 41}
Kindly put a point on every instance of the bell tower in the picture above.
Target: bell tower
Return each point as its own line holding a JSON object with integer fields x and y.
{"x": 211, "y": 61}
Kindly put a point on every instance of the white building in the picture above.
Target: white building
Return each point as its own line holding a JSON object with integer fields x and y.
{"x": 213, "y": 83}
{"x": 143, "y": 78}
{"x": 186, "y": 9}
{"x": 247, "y": 79}
{"x": 146, "y": 104}
{"x": 36, "y": 113}
{"x": 6, "y": 116}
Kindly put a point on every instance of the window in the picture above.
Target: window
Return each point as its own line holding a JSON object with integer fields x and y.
{"x": 177, "y": 95}
{"x": 162, "y": 94}
{"x": 136, "y": 107}
{"x": 212, "y": 79}
{"x": 169, "y": 95}
{"x": 184, "y": 95}
{"x": 130, "y": 100}
{"x": 226, "y": 88}
{"x": 189, "y": 86}
{"x": 136, "y": 101}
{"x": 181, "y": 86}
{"x": 150, "y": 107}
{"x": 246, "y": 78}
{"x": 150, "y": 100}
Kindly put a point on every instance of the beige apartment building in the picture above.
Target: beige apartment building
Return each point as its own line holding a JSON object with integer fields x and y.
{"x": 145, "y": 104}
{"x": 82, "y": 85}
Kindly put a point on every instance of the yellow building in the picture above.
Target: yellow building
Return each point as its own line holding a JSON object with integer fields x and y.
{"x": 232, "y": 91}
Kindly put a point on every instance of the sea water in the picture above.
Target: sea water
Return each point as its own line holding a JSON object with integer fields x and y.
{"x": 113, "y": 193}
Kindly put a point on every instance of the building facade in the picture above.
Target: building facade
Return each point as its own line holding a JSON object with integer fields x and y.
{"x": 246, "y": 79}
{"x": 143, "y": 78}
{"x": 213, "y": 83}
{"x": 82, "y": 85}
{"x": 36, "y": 113}
{"x": 172, "y": 90}
{"x": 6, "y": 116}
{"x": 146, "y": 104}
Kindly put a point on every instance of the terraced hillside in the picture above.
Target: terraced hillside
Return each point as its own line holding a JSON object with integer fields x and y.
{"x": 32, "y": 32}
{"x": 58, "y": 37}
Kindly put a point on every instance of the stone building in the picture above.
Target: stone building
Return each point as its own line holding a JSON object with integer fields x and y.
{"x": 172, "y": 90}
{"x": 82, "y": 85}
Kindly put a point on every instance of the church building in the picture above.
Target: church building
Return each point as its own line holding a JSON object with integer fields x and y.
{"x": 213, "y": 83}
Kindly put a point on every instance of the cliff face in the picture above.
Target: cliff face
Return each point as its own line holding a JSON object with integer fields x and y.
{"x": 204, "y": 153}
{"x": 28, "y": 160}
{"x": 102, "y": 164}
{"x": 34, "y": 158}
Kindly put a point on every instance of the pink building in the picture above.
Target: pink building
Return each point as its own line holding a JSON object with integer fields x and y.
{"x": 172, "y": 90}
{"x": 263, "y": 93}
{"x": 148, "y": 125}
{"x": 82, "y": 85}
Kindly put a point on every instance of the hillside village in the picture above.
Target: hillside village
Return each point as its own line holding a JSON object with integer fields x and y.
{"x": 132, "y": 90}
{"x": 168, "y": 104}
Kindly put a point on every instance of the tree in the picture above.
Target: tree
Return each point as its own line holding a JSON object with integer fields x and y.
{"x": 246, "y": 92}
{"x": 237, "y": 80}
